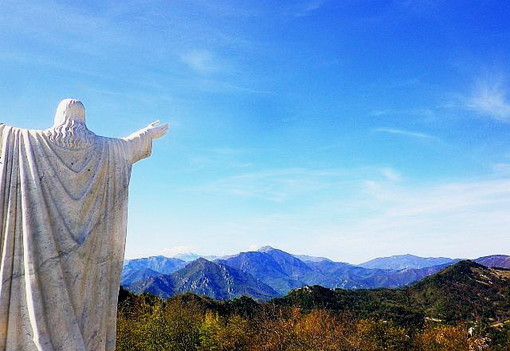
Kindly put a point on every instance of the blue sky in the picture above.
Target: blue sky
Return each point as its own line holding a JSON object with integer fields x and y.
{"x": 348, "y": 129}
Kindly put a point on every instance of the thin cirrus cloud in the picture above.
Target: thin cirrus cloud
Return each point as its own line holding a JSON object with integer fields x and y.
{"x": 202, "y": 61}
{"x": 502, "y": 168}
{"x": 92, "y": 34}
{"x": 306, "y": 8}
{"x": 490, "y": 98}
{"x": 375, "y": 210}
{"x": 391, "y": 174}
{"x": 403, "y": 132}
{"x": 273, "y": 185}
{"x": 419, "y": 112}
{"x": 286, "y": 184}
{"x": 428, "y": 220}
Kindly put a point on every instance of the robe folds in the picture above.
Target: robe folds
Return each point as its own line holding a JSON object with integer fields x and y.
{"x": 63, "y": 214}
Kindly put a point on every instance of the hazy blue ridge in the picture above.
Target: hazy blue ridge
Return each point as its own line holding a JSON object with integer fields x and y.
{"x": 308, "y": 259}
{"x": 502, "y": 261}
{"x": 398, "y": 262}
{"x": 160, "y": 264}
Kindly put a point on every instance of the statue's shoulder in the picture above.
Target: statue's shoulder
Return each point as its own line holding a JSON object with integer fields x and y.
{"x": 7, "y": 127}
{"x": 7, "y": 131}
{"x": 13, "y": 128}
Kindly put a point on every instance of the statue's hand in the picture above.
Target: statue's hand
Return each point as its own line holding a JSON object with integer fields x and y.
{"x": 155, "y": 130}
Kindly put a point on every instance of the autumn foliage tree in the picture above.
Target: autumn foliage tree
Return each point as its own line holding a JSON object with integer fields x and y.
{"x": 193, "y": 323}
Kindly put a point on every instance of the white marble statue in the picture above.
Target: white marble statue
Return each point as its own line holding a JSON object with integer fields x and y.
{"x": 63, "y": 211}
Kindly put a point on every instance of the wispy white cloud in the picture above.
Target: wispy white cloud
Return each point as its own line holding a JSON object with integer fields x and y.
{"x": 288, "y": 184}
{"x": 502, "y": 168}
{"x": 370, "y": 215}
{"x": 64, "y": 26}
{"x": 180, "y": 249}
{"x": 306, "y": 8}
{"x": 403, "y": 132}
{"x": 226, "y": 86}
{"x": 420, "y": 112}
{"x": 274, "y": 185}
{"x": 490, "y": 98}
{"x": 419, "y": 8}
{"x": 465, "y": 218}
{"x": 224, "y": 158}
{"x": 98, "y": 40}
{"x": 391, "y": 174}
{"x": 202, "y": 61}
{"x": 229, "y": 8}
{"x": 312, "y": 5}
{"x": 356, "y": 215}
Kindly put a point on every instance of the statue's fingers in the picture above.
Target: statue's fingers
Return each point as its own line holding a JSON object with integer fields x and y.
{"x": 162, "y": 129}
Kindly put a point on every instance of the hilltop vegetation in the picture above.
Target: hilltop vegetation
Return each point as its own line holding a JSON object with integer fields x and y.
{"x": 466, "y": 291}
{"x": 434, "y": 314}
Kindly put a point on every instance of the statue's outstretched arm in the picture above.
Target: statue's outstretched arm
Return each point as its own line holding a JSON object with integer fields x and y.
{"x": 139, "y": 144}
{"x": 154, "y": 130}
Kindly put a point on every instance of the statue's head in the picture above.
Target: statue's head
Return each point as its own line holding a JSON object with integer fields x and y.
{"x": 69, "y": 127}
{"x": 69, "y": 110}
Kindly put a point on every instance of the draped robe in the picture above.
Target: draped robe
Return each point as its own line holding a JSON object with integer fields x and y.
{"x": 63, "y": 213}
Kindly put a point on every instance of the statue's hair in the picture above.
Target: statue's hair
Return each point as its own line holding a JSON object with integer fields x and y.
{"x": 73, "y": 134}
{"x": 69, "y": 128}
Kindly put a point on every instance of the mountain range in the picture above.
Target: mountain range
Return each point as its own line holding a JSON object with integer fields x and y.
{"x": 269, "y": 272}
{"x": 204, "y": 277}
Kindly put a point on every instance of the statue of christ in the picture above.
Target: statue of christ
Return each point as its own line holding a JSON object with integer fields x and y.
{"x": 63, "y": 214}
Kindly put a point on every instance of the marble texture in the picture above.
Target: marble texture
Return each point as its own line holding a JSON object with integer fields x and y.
{"x": 63, "y": 215}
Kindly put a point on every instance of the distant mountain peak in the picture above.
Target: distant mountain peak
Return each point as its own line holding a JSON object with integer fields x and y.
{"x": 201, "y": 260}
